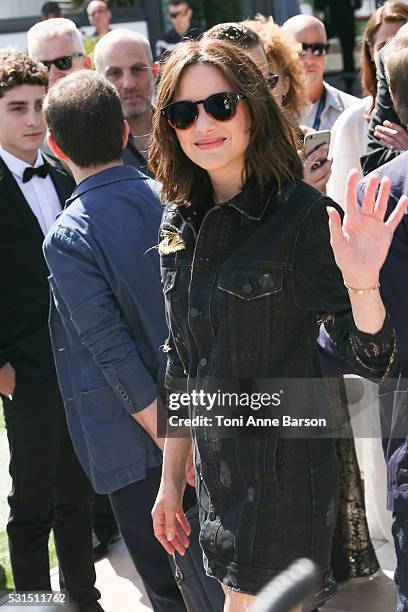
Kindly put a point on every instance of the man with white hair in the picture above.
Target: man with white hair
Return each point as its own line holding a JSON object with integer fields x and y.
{"x": 327, "y": 102}
{"x": 124, "y": 58}
{"x": 58, "y": 44}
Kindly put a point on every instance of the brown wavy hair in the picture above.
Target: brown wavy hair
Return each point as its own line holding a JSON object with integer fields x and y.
{"x": 282, "y": 50}
{"x": 390, "y": 12}
{"x": 18, "y": 69}
{"x": 271, "y": 155}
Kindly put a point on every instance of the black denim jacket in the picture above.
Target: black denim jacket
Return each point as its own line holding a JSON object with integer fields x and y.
{"x": 246, "y": 283}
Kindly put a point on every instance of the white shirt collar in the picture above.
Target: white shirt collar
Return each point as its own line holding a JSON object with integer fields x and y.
{"x": 333, "y": 97}
{"x": 16, "y": 165}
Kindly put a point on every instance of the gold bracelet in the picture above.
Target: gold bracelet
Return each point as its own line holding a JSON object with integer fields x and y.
{"x": 362, "y": 291}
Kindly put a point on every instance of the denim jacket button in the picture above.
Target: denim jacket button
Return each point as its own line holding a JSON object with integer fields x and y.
{"x": 194, "y": 312}
{"x": 247, "y": 288}
{"x": 203, "y": 361}
{"x": 211, "y": 515}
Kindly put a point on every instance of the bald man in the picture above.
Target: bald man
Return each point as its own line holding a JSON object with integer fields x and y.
{"x": 327, "y": 102}
{"x": 124, "y": 57}
{"x": 99, "y": 16}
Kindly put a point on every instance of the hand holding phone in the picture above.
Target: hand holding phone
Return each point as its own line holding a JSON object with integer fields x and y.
{"x": 314, "y": 141}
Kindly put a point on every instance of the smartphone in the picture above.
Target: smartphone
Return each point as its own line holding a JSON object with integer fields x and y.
{"x": 314, "y": 140}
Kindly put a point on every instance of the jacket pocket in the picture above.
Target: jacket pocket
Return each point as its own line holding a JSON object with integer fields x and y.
{"x": 110, "y": 432}
{"x": 253, "y": 301}
{"x": 249, "y": 284}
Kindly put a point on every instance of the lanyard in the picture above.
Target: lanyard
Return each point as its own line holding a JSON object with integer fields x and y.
{"x": 322, "y": 102}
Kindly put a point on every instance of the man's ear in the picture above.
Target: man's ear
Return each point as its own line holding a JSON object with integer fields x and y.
{"x": 156, "y": 70}
{"x": 87, "y": 62}
{"x": 55, "y": 148}
{"x": 125, "y": 135}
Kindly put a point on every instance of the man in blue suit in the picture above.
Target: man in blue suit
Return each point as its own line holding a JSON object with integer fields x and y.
{"x": 394, "y": 292}
{"x": 107, "y": 320}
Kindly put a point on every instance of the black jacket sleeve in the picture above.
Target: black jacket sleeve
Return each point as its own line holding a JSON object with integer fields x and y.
{"x": 318, "y": 285}
{"x": 377, "y": 154}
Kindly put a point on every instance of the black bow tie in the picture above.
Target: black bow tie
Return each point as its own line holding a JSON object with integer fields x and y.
{"x": 29, "y": 172}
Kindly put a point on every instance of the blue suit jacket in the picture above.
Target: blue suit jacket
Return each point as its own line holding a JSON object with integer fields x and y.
{"x": 394, "y": 273}
{"x": 107, "y": 321}
{"x": 393, "y": 393}
{"x": 394, "y": 292}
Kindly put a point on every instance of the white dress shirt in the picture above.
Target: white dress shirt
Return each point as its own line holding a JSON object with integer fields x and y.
{"x": 39, "y": 192}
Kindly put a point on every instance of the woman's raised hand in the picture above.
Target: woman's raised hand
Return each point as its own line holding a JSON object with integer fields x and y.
{"x": 361, "y": 243}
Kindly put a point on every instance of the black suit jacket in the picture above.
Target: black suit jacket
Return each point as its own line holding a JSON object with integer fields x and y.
{"x": 24, "y": 292}
{"x": 377, "y": 154}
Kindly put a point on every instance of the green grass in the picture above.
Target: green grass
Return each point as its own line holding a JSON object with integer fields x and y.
{"x": 6, "y": 577}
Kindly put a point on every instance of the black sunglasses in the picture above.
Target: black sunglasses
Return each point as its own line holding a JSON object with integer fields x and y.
{"x": 318, "y": 49}
{"x": 272, "y": 79}
{"x": 62, "y": 63}
{"x": 221, "y": 107}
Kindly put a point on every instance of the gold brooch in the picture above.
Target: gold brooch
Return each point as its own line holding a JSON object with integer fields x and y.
{"x": 170, "y": 242}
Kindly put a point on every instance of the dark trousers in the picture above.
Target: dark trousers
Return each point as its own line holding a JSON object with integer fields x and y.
{"x": 102, "y": 516}
{"x": 400, "y": 533}
{"x": 50, "y": 491}
{"x": 132, "y": 506}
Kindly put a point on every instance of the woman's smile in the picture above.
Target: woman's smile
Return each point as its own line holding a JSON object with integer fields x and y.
{"x": 210, "y": 143}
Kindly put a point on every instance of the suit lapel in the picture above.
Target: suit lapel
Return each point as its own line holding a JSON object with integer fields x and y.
{"x": 12, "y": 198}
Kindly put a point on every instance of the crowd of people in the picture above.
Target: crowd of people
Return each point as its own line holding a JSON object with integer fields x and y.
{"x": 168, "y": 233}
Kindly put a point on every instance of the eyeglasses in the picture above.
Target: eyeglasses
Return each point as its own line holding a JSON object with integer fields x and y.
{"x": 272, "y": 79}
{"x": 318, "y": 49}
{"x": 62, "y": 63}
{"x": 221, "y": 107}
{"x": 181, "y": 13}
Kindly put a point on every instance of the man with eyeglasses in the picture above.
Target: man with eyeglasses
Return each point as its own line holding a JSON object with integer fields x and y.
{"x": 99, "y": 16}
{"x": 327, "y": 102}
{"x": 57, "y": 43}
{"x": 180, "y": 14}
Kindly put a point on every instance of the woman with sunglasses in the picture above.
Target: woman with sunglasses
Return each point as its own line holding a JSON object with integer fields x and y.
{"x": 284, "y": 77}
{"x": 247, "y": 270}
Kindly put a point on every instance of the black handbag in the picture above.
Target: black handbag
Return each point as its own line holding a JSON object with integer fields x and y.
{"x": 200, "y": 593}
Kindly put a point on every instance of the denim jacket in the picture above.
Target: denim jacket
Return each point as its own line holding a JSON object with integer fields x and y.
{"x": 107, "y": 322}
{"x": 246, "y": 283}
